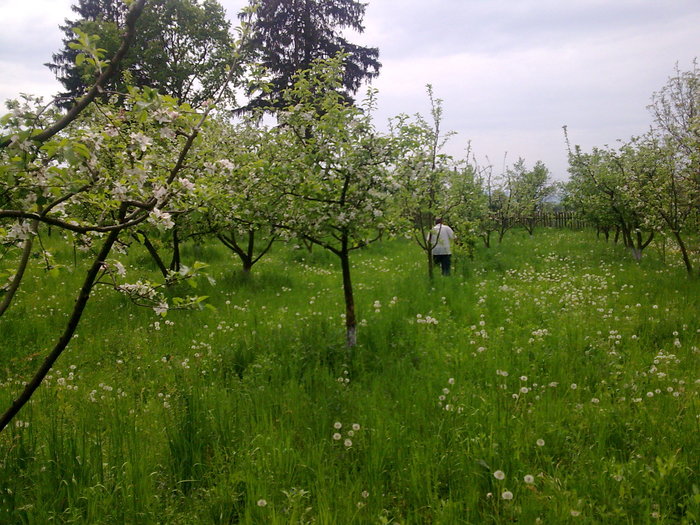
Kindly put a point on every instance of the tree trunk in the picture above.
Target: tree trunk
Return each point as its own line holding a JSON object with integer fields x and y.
{"x": 431, "y": 264}
{"x": 154, "y": 254}
{"x": 21, "y": 267}
{"x": 250, "y": 252}
{"x": 487, "y": 239}
{"x": 530, "y": 225}
{"x": 63, "y": 341}
{"x": 684, "y": 252}
{"x": 308, "y": 245}
{"x": 350, "y": 321}
{"x": 175, "y": 262}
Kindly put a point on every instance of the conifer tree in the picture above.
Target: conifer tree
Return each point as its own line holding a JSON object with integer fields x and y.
{"x": 288, "y": 35}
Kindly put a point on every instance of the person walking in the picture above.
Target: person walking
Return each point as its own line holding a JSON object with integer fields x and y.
{"x": 440, "y": 238}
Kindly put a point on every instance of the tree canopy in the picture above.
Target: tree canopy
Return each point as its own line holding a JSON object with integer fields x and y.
{"x": 181, "y": 47}
{"x": 288, "y": 35}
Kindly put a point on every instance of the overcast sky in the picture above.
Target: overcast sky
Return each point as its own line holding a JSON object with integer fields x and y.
{"x": 511, "y": 73}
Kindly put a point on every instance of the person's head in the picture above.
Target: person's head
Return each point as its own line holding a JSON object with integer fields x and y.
{"x": 438, "y": 220}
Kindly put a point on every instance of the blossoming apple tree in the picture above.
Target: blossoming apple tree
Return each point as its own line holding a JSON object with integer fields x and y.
{"x": 241, "y": 204}
{"x": 95, "y": 173}
{"x": 333, "y": 180}
{"x": 430, "y": 183}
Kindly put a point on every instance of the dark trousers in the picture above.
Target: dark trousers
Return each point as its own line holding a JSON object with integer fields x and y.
{"x": 444, "y": 261}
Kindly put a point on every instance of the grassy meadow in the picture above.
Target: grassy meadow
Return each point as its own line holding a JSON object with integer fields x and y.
{"x": 550, "y": 380}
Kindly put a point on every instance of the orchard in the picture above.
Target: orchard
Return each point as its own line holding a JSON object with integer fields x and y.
{"x": 218, "y": 301}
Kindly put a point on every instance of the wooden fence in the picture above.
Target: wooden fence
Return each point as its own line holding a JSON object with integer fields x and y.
{"x": 555, "y": 219}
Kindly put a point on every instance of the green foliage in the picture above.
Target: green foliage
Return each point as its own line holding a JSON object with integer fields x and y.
{"x": 650, "y": 184}
{"x": 287, "y": 37}
{"x": 181, "y": 48}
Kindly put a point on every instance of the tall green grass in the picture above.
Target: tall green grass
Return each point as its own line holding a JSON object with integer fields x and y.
{"x": 549, "y": 380}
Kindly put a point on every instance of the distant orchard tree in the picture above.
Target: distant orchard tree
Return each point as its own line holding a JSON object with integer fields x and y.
{"x": 431, "y": 183}
{"x": 676, "y": 111}
{"x": 582, "y": 195}
{"x": 606, "y": 173}
{"x": 181, "y": 49}
{"x": 288, "y": 35}
{"x": 242, "y": 204}
{"x": 531, "y": 188}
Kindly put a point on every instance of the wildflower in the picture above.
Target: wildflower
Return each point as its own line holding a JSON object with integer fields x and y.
{"x": 337, "y": 436}
{"x": 451, "y": 381}
{"x": 540, "y": 442}
{"x": 499, "y": 475}
{"x": 262, "y": 503}
{"x": 337, "y": 425}
{"x": 347, "y": 443}
{"x": 529, "y": 478}
{"x": 507, "y": 494}
{"x": 574, "y": 386}
{"x": 365, "y": 494}
{"x": 575, "y": 513}
{"x": 355, "y": 427}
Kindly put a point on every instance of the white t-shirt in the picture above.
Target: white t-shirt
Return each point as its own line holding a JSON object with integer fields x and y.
{"x": 440, "y": 237}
